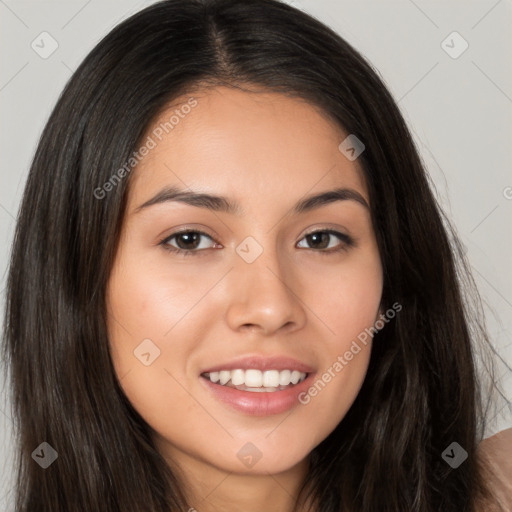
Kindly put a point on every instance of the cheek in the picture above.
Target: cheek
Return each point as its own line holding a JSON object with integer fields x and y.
{"x": 339, "y": 379}
{"x": 147, "y": 299}
{"x": 146, "y": 349}
{"x": 348, "y": 308}
{"x": 152, "y": 335}
{"x": 345, "y": 298}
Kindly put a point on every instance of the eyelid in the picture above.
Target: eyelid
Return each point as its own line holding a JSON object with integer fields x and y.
{"x": 187, "y": 229}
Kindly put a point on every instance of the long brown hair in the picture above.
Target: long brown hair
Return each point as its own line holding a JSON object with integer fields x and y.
{"x": 421, "y": 392}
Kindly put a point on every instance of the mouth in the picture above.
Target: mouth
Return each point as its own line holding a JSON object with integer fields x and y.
{"x": 258, "y": 384}
{"x": 256, "y": 381}
{"x": 255, "y": 392}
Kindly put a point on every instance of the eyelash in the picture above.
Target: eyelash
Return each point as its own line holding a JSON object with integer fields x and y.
{"x": 347, "y": 242}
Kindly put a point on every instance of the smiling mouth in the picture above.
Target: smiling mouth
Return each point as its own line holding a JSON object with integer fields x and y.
{"x": 256, "y": 381}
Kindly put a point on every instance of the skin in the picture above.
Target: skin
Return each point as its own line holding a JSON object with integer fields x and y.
{"x": 266, "y": 151}
{"x": 497, "y": 451}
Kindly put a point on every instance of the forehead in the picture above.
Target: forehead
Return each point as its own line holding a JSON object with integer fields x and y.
{"x": 260, "y": 146}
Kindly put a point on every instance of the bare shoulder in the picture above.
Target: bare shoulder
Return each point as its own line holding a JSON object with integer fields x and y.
{"x": 497, "y": 451}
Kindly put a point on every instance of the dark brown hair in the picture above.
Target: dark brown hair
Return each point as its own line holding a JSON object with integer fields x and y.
{"x": 421, "y": 392}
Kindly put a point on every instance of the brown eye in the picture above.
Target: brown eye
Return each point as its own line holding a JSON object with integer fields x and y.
{"x": 324, "y": 241}
{"x": 187, "y": 242}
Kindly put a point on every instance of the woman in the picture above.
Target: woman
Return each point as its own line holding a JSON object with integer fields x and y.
{"x": 176, "y": 336}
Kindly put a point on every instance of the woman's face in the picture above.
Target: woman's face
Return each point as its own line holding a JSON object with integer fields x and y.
{"x": 257, "y": 284}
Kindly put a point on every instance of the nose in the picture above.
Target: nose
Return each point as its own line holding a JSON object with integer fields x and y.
{"x": 264, "y": 296}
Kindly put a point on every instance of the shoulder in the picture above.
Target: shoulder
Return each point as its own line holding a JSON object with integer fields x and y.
{"x": 497, "y": 451}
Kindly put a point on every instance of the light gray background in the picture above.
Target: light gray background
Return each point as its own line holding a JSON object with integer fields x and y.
{"x": 459, "y": 110}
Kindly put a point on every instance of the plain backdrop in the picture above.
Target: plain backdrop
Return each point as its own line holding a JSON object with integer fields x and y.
{"x": 454, "y": 90}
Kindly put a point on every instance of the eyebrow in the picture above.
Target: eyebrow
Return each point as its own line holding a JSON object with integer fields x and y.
{"x": 223, "y": 204}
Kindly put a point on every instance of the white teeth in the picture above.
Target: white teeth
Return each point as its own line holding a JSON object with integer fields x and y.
{"x": 237, "y": 377}
{"x": 284, "y": 377}
{"x": 256, "y": 378}
{"x": 253, "y": 378}
{"x": 295, "y": 377}
{"x": 224, "y": 377}
{"x": 271, "y": 379}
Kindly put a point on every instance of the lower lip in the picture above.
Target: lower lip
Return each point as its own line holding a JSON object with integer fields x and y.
{"x": 259, "y": 404}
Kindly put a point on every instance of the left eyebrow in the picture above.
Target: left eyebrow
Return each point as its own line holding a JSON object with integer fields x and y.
{"x": 223, "y": 204}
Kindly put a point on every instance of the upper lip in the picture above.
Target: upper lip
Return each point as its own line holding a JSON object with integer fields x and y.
{"x": 259, "y": 362}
